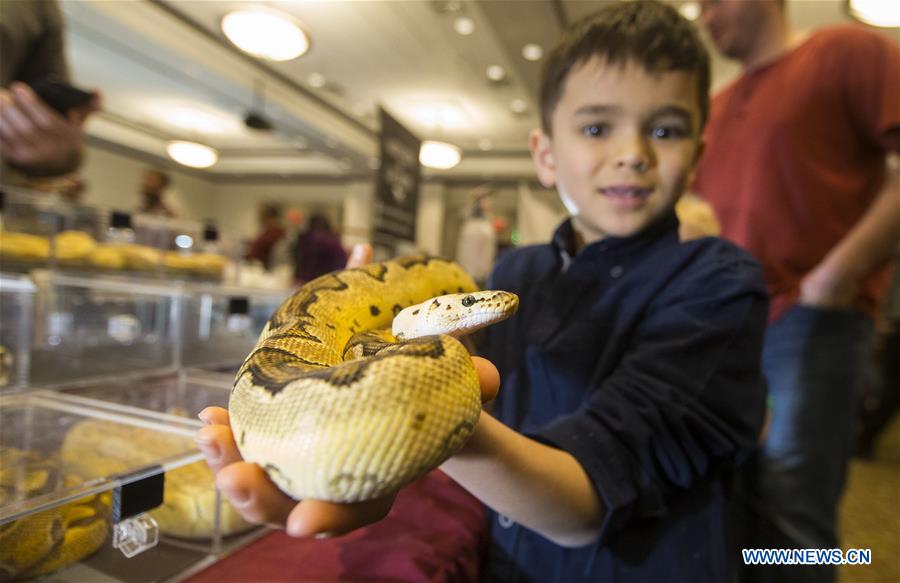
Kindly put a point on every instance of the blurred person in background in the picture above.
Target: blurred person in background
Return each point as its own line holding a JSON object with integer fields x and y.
{"x": 153, "y": 190}
{"x": 272, "y": 232}
{"x": 476, "y": 247}
{"x": 795, "y": 169}
{"x": 319, "y": 250}
{"x": 35, "y": 140}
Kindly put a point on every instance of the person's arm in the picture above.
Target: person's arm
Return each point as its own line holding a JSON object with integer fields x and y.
{"x": 686, "y": 402}
{"x": 541, "y": 487}
{"x": 835, "y": 281}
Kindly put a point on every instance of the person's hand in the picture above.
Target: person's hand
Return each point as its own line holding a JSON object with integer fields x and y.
{"x": 37, "y": 138}
{"x": 259, "y": 500}
{"x": 824, "y": 287}
{"x": 360, "y": 255}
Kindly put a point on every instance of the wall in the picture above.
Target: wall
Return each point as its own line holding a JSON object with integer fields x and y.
{"x": 114, "y": 180}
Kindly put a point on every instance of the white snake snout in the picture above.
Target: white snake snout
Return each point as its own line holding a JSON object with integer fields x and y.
{"x": 455, "y": 314}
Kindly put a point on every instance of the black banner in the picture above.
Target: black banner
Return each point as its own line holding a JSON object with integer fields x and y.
{"x": 396, "y": 189}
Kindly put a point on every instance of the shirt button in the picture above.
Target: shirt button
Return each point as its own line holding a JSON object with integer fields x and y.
{"x": 505, "y": 521}
{"x": 617, "y": 271}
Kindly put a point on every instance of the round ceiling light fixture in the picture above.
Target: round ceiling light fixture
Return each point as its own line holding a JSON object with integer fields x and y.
{"x": 880, "y": 13}
{"x": 439, "y": 155}
{"x": 532, "y": 52}
{"x": 192, "y": 154}
{"x": 496, "y": 73}
{"x": 266, "y": 33}
{"x": 464, "y": 25}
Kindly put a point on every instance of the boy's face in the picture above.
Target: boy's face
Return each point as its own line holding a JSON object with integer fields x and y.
{"x": 623, "y": 146}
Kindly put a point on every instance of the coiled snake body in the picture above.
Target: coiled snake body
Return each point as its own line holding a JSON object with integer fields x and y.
{"x": 333, "y": 407}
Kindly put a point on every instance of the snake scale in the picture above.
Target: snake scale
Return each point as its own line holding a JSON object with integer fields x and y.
{"x": 334, "y": 407}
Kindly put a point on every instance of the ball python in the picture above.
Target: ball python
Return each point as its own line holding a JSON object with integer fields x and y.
{"x": 98, "y": 447}
{"x": 333, "y": 406}
{"x": 50, "y": 539}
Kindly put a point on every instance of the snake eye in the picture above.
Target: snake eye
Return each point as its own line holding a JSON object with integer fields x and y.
{"x": 468, "y": 301}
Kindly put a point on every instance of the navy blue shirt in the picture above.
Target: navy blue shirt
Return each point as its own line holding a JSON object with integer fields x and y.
{"x": 640, "y": 357}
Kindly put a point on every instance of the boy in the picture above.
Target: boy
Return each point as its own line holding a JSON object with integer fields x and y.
{"x": 631, "y": 372}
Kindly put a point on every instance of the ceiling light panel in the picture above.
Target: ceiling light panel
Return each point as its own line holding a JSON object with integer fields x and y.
{"x": 266, "y": 33}
{"x": 439, "y": 155}
{"x": 192, "y": 154}
{"x": 880, "y": 13}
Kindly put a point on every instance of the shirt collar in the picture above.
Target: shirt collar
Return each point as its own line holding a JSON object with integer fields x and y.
{"x": 563, "y": 240}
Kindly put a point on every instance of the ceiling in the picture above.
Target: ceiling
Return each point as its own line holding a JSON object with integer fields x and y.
{"x": 167, "y": 72}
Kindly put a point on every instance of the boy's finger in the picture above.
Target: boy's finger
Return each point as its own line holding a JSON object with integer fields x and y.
{"x": 217, "y": 444}
{"x": 488, "y": 376}
{"x": 360, "y": 255}
{"x": 316, "y": 517}
{"x": 254, "y": 495}
{"x": 214, "y": 416}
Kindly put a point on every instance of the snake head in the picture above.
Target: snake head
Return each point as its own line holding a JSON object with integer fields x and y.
{"x": 455, "y": 314}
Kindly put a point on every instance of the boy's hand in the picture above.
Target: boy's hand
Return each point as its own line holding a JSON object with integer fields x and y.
{"x": 360, "y": 255}
{"x": 36, "y": 137}
{"x": 258, "y": 500}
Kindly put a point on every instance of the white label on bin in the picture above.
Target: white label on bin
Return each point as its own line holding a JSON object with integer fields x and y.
{"x": 123, "y": 328}
{"x": 59, "y": 323}
{"x": 238, "y": 323}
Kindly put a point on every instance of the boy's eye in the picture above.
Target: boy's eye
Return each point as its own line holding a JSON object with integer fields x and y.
{"x": 595, "y": 130}
{"x": 668, "y": 132}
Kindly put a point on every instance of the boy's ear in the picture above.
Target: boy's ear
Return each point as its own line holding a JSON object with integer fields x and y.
{"x": 542, "y": 156}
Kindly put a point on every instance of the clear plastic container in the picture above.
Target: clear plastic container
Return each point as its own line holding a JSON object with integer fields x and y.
{"x": 94, "y": 327}
{"x": 71, "y": 474}
{"x": 16, "y": 308}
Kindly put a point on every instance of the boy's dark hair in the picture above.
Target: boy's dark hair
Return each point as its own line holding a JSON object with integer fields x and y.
{"x": 648, "y": 32}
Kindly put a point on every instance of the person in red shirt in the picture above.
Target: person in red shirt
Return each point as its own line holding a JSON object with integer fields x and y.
{"x": 795, "y": 166}
{"x": 272, "y": 232}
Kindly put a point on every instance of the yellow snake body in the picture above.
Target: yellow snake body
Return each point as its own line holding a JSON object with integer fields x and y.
{"x": 330, "y": 410}
{"x": 45, "y": 541}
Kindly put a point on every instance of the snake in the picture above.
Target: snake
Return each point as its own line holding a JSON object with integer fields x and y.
{"x": 354, "y": 389}
{"x": 44, "y": 542}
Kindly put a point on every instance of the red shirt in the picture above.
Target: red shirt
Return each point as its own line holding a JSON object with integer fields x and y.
{"x": 795, "y": 154}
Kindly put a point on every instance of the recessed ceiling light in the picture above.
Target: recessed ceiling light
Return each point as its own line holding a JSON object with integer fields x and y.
{"x": 485, "y": 144}
{"x": 439, "y": 155}
{"x": 464, "y": 25}
{"x": 268, "y": 34}
{"x": 496, "y": 73}
{"x": 518, "y": 106}
{"x": 690, "y": 10}
{"x": 881, "y": 13}
{"x": 316, "y": 80}
{"x": 532, "y": 52}
{"x": 192, "y": 154}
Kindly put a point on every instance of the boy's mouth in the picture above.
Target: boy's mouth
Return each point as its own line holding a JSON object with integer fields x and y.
{"x": 628, "y": 196}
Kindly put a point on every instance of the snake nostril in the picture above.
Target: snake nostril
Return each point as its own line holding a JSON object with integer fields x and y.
{"x": 468, "y": 301}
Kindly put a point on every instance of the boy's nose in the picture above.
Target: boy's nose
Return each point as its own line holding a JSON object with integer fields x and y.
{"x": 633, "y": 155}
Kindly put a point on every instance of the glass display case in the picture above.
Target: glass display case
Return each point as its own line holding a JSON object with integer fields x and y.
{"x": 91, "y": 327}
{"x": 93, "y": 494}
{"x": 44, "y": 229}
{"x": 16, "y": 308}
{"x": 222, "y": 324}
